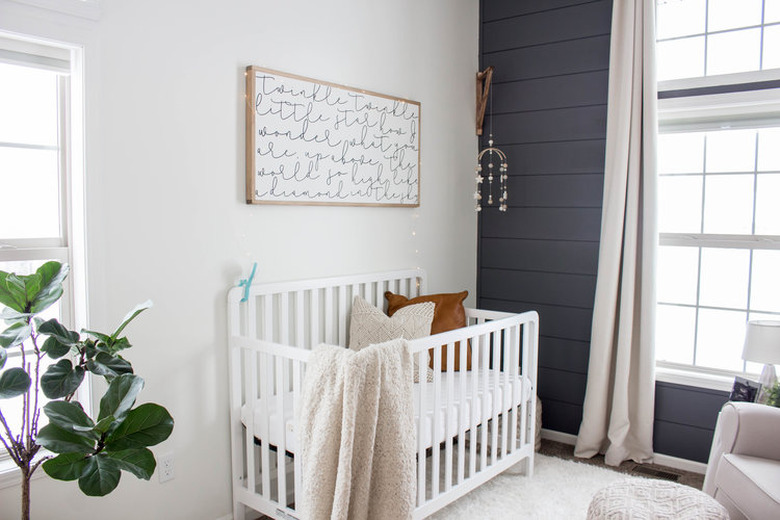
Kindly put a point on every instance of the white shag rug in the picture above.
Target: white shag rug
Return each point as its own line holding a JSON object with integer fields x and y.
{"x": 559, "y": 489}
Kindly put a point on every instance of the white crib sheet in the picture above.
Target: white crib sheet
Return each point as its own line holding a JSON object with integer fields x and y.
{"x": 277, "y": 424}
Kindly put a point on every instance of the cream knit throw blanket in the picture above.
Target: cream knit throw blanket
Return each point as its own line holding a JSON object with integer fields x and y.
{"x": 356, "y": 429}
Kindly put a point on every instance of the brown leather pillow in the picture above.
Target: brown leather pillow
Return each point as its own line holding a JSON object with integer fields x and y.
{"x": 448, "y": 314}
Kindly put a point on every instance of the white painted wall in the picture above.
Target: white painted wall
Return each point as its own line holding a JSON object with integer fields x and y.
{"x": 166, "y": 218}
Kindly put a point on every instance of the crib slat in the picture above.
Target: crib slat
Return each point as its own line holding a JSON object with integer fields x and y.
{"x": 342, "y": 317}
{"x": 300, "y": 339}
{"x": 462, "y": 414}
{"x": 496, "y": 404}
{"x": 449, "y": 408}
{"x": 513, "y": 362}
{"x": 281, "y": 426}
{"x": 435, "y": 451}
{"x": 506, "y": 387}
{"x": 530, "y": 369}
{"x": 483, "y": 452}
{"x": 377, "y": 294}
{"x": 297, "y": 469}
{"x": 524, "y": 416}
{"x": 284, "y": 319}
{"x": 422, "y": 411}
{"x": 250, "y": 391}
{"x": 475, "y": 360}
{"x": 328, "y": 307}
{"x": 266, "y": 390}
{"x": 314, "y": 318}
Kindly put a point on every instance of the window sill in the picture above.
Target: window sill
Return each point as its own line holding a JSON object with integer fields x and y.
{"x": 723, "y": 382}
{"x": 10, "y": 476}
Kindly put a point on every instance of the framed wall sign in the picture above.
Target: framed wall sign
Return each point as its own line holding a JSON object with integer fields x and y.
{"x": 313, "y": 142}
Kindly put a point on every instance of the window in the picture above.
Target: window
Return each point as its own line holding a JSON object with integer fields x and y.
{"x": 719, "y": 179}
{"x": 40, "y": 176}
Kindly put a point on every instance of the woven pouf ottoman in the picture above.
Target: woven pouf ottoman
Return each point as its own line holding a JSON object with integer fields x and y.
{"x": 646, "y": 499}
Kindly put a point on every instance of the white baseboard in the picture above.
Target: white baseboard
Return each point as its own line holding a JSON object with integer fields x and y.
{"x": 565, "y": 438}
{"x": 226, "y": 517}
{"x": 658, "y": 458}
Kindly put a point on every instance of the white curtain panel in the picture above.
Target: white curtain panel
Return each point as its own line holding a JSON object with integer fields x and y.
{"x": 620, "y": 396}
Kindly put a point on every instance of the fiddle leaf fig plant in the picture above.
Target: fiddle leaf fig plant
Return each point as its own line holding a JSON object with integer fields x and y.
{"x": 40, "y": 356}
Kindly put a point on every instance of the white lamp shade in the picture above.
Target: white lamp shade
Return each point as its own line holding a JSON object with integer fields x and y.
{"x": 762, "y": 342}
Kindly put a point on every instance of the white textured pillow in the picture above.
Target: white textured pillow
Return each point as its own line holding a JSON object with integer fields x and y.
{"x": 368, "y": 325}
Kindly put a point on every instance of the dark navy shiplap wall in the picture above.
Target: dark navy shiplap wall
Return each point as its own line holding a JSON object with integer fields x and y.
{"x": 548, "y": 113}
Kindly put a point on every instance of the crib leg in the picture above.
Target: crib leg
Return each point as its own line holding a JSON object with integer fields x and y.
{"x": 529, "y": 466}
{"x": 239, "y": 511}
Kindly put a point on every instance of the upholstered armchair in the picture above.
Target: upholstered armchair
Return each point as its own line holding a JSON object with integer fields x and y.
{"x": 743, "y": 472}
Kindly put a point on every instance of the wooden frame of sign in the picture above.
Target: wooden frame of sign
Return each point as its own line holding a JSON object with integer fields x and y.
{"x": 314, "y": 142}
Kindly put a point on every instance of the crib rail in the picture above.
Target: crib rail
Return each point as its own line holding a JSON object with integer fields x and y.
{"x": 309, "y": 312}
{"x": 471, "y": 425}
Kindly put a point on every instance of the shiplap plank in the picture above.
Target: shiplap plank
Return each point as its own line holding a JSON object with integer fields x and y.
{"x": 540, "y": 255}
{"x": 543, "y": 223}
{"x": 585, "y": 156}
{"x": 560, "y": 124}
{"x": 579, "y": 21}
{"x": 559, "y": 385}
{"x": 552, "y": 59}
{"x": 575, "y": 290}
{"x": 497, "y": 9}
{"x": 560, "y": 322}
{"x": 560, "y": 416}
{"x": 683, "y": 441}
{"x": 688, "y": 405}
{"x": 564, "y": 354}
{"x": 573, "y": 90}
{"x": 564, "y": 191}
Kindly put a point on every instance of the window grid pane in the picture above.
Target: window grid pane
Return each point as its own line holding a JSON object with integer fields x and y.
{"x": 699, "y": 38}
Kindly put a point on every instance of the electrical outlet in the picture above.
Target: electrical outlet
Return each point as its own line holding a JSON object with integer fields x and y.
{"x": 165, "y": 467}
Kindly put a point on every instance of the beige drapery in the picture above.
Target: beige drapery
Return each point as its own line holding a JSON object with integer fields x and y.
{"x": 620, "y": 396}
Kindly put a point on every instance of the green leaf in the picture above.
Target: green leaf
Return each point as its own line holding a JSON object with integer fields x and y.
{"x": 56, "y": 330}
{"x": 104, "y": 424}
{"x": 66, "y": 466}
{"x": 14, "y": 381}
{"x": 108, "y": 365}
{"x": 3, "y": 357}
{"x": 101, "y": 476}
{"x": 53, "y": 348}
{"x": 120, "y": 344}
{"x": 99, "y": 335}
{"x": 89, "y": 349}
{"x": 140, "y": 462}
{"x": 60, "y": 440}
{"x": 16, "y": 334}
{"x": 61, "y": 379}
{"x": 138, "y": 309}
{"x": 12, "y": 292}
{"x": 68, "y": 415}
{"x": 51, "y": 275}
{"x": 120, "y": 396}
{"x": 147, "y": 425}
{"x": 12, "y": 316}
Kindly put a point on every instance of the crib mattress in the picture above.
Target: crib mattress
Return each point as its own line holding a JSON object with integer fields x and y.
{"x": 482, "y": 406}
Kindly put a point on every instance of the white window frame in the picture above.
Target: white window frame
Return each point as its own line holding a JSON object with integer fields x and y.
{"x": 690, "y": 113}
{"x": 70, "y": 246}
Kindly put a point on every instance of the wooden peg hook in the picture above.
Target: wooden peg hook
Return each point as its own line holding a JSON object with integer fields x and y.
{"x": 484, "y": 79}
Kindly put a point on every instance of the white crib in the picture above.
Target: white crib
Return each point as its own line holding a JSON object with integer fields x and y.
{"x": 460, "y": 416}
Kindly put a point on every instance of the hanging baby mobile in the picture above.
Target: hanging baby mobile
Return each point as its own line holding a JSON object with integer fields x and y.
{"x": 492, "y": 166}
